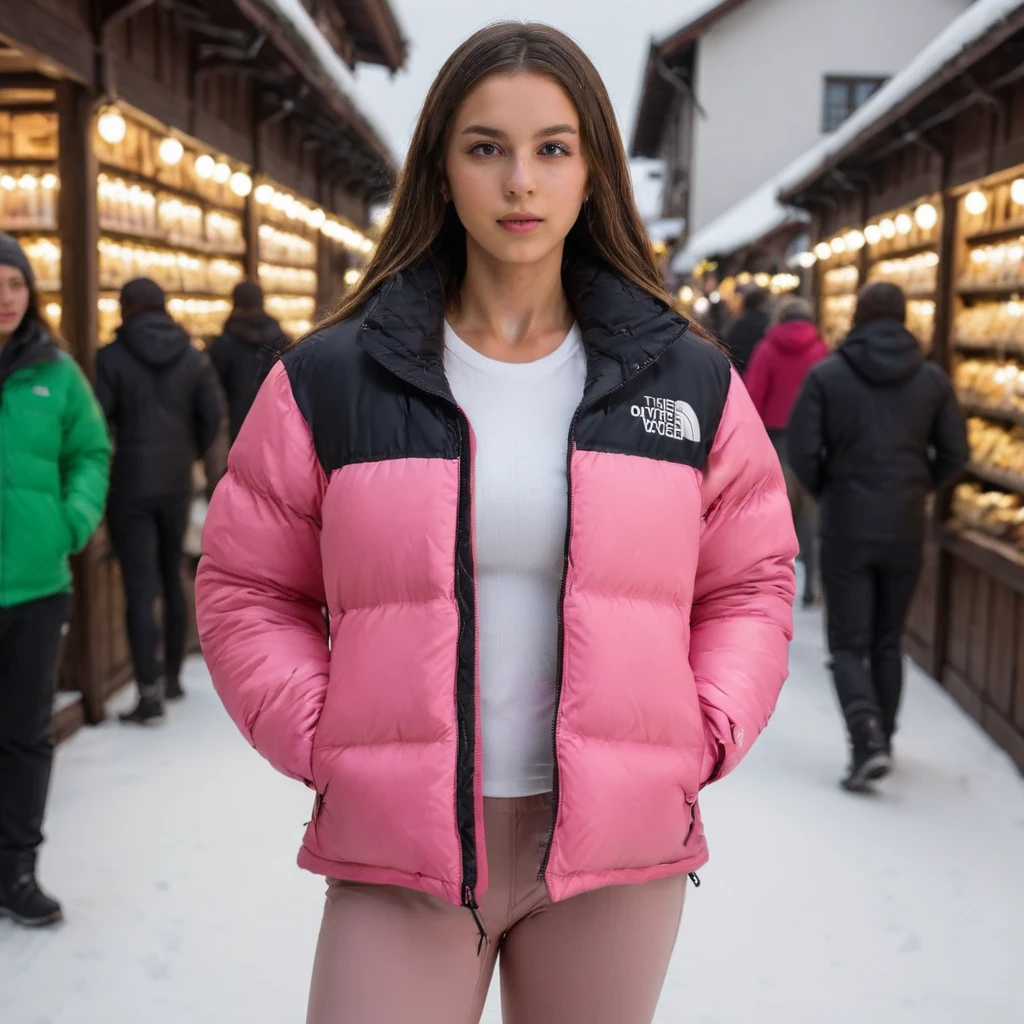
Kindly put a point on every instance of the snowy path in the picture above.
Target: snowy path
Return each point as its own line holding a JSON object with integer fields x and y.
{"x": 174, "y": 849}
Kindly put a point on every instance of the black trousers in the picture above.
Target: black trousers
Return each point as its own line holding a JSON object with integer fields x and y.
{"x": 30, "y": 636}
{"x": 868, "y": 590}
{"x": 147, "y": 538}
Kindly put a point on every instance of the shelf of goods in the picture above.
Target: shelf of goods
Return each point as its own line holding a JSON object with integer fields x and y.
{"x": 988, "y": 369}
{"x": 287, "y": 273}
{"x": 839, "y": 298}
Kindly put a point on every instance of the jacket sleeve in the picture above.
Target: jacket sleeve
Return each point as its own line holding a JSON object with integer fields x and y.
{"x": 84, "y": 459}
{"x": 742, "y": 617}
{"x": 805, "y": 437}
{"x": 757, "y": 376}
{"x": 259, "y": 587}
{"x": 209, "y": 407}
{"x": 948, "y": 438}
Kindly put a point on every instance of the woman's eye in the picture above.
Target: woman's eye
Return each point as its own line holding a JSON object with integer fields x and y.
{"x": 554, "y": 149}
{"x": 484, "y": 149}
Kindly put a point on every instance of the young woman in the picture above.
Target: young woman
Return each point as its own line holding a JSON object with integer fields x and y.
{"x": 555, "y": 548}
{"x": 54, "y": 466}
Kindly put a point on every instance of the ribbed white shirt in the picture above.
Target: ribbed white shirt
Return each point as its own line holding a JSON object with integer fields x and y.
{"x": 520, "y": 414}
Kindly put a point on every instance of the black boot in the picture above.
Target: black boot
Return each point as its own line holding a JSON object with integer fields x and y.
{"x": 21, "y": 899}
{"x": 173, "y": 689}
{"x": 870, "y": 758}
{"x": 150, "y": 708}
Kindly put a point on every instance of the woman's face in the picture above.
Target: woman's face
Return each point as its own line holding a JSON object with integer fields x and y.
{"x": 515, "y": 167}
{"x": 14, "y": 296}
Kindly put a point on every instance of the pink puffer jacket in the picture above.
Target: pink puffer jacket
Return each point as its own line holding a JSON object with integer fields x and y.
{"x": 350, "y": 489}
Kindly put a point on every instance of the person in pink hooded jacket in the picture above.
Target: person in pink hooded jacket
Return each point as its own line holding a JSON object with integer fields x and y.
{"x": 502, "y": 570}
{"x": 774, "y": 376}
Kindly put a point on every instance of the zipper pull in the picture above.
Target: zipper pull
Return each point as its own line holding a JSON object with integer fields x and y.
{"x": 695, "y": 878}
{"x": 469, "y": 901}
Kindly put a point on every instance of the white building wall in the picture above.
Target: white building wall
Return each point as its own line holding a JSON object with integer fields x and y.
{"x": 760, "y": 77}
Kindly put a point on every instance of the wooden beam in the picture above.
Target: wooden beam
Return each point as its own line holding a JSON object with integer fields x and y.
{"x": 60, "y": 39}
{"x": 78, "y": 222}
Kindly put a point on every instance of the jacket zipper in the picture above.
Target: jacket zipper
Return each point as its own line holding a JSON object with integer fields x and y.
{"x": 468, "y": 849}
{"x": 555, "y": 784}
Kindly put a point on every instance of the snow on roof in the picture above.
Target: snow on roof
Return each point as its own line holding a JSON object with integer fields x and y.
{"x": 976, "y": 22}
{"x": 332, "y": 67}
{"x": 750, "y": 219}
{"x": 698, "y": 9}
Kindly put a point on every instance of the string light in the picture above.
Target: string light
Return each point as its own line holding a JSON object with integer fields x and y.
{"x": 904, "y": 224}
{"x": 807, "y": 260}
{"x": 171, "y": 151}
{"x": 221, "y": 173}
{"x": 873, "y": 234}
{"x": 112, "y": 126}
{"x": 264, "y": 194}
{"x": 838, "y": 245}
{"x": 49, "y": 181}
{"x": 854, "y": 240}
{"x": 888, "y": 228}
{"x": 976, "y": 203}
{"x": 1017, "y": 191}
{"x": 204, "y": 167}
{"x": 352, "y": 276}
{"x": 926, "y": 216}
{"x": 823, "y": 250}
{"x": 241, "y": 184}
{"x": 686, "y": 293}
{"x": 317, "y": 218}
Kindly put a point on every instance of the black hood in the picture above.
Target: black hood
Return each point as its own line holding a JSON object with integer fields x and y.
{"x": 883, "y": 352}
{"x": 155, "y": 339}
{"x": 260, "y": 330}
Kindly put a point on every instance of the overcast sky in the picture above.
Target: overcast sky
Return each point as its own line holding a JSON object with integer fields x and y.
{"x": 614, "y": 33}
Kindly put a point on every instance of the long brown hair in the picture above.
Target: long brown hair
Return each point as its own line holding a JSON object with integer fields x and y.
{"x": 423, "y": 224}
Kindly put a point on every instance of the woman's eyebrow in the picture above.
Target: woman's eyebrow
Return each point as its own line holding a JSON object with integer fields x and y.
{"x": 497, "y": 133}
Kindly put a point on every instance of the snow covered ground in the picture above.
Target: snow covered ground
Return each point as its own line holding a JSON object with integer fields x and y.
{"x": 173, "y": 851}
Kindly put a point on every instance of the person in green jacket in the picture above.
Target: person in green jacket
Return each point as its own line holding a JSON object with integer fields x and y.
{"x": 54, "y": 472}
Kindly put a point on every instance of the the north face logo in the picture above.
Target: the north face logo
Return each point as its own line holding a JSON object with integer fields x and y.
{"x": 668, "y": 418}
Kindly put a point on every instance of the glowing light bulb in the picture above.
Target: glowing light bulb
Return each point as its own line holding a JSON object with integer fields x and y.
{"x": 112, "y": 126}
{"x": 887, "y": 227}
{"x": 854, "y": 240}
{"x": 27, "y": 183}
{"x": 838, "y": 245}
{"x": 317, "y": 218}
{"x": 807, "y": 260}
{"x": 926, "y": 216}
{"x": 204, "y": 167}
{"x": 221, "y": 173}
{"x": 241, "y": 184}
{"x": 872, "y": 234}
{"x": 823, "y": 250}
{"x": 976, "y": 203}
{"x": 49, "y": 182}
{"x": 352, "y": 276}
{"x": 686, "y": 293}
{"x": 264, "y": 194}
{"x": 7, "y": 183}
{"x": 1017, "y": 191}
{"x": 761, "y": 280}
{"x": 701, "y": 305}
{"x": 171, "y": 151}
{"x": 904, "y": 224}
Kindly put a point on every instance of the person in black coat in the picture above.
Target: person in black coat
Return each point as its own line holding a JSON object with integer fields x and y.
{"x": 750, "y": 327}
{"x": 164, "y": 407}
{"x": 875, "y": 429}
{"x": 245, "y": 352}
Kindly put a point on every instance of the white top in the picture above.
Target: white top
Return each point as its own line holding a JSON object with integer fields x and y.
{"x": 520, "y": 414}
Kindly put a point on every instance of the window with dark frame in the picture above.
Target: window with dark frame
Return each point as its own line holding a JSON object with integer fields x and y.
{"x": 843, "y": 95}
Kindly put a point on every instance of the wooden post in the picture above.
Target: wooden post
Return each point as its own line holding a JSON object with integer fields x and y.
{"x": 79, "y": 272}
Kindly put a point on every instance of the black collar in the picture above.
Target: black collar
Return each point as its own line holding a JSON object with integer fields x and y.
{"x": 29, "y": 345}
{"x": 624, "y": 328}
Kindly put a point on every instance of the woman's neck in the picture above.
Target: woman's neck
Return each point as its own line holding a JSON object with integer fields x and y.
{"x": 513, "y": 312}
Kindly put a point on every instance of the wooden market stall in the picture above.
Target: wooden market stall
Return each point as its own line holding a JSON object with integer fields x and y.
{"x": 925, "y": 187}
{"x": 197, "y": 146}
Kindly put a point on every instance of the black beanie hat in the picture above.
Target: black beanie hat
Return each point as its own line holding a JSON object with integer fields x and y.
{"x": 12, "y": 255}
{"x": 142, "y": 295}
{"x": 247, "y": 295}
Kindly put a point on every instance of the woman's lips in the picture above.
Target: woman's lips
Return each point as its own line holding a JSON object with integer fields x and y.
{"x": 520, "y": 227}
